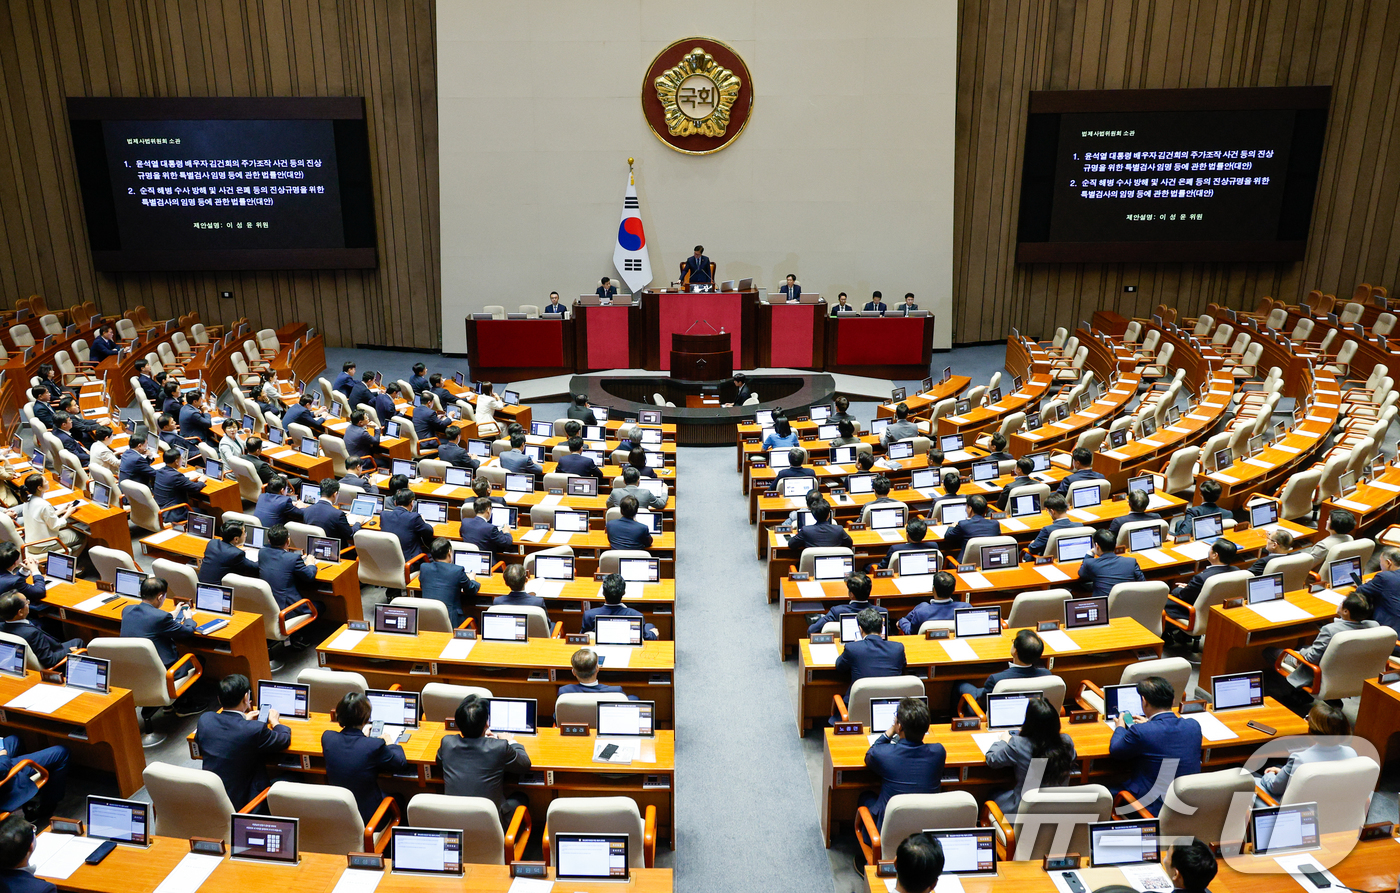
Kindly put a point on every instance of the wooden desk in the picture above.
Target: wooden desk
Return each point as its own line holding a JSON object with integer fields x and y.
{"x": 1372, "y": 503}
{"x": 657, "y": 601}
{"x": 534, "y": 669}
{"x": 921, "y": 405}
{"x": 1236, "y": 637}
{"x": 1104, "y": 652}
{"x": 99, "y": 730}
{"x": 455, "y": 497}
{"x": 982, "y": 419}
{"x": 1378, "y": 716}
{"x": 1063, "y": 434}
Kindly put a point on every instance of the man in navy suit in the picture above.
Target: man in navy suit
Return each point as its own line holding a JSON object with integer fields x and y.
{"x": 325, "y": 514}
{"x": 42, "y": 410}
{"x": 585, "y": 667}
{"x": 415, "y": 535}
{"x": 146, "y": 620}
{"x": 285, "y": 570}
{"x": 790, "y": 290}
{"x": 858, "y": 586}
{"x": 872, "y": 654}
{"x": 1210, "y": 492}
{"x": 355, "y": 760}
{"x": 17, "y": 837}
{"x": 515, "y": 460}
{"x": 224, "y": 555}
{"x": 1137, "y": 511}
{"x": 614, "y": 588}
{"x": 149, "y": 386}
{"x": 171, "y": 436}
{"x": 841, "y": 306}
{"x": 172, "y": 487}
{"x": 104, "y": 344}
{"x": 418, "y": 381}
{"x": 1384, "y": 590}
{"x": 196, "y": 424}
{"x": 1026, "y": 651}
{"x": 1160, "y": 746}
{"x": 908, "y": 304}
{"x": 1219, "y": 561}
{"x": 451, "y": 451}
{"x": 234, "y": 745}
{"x": 515, "y": 579}
{"x": 940, "y": 607}
{"x": 170, "y": 399}
{"x": 275, "y": 507}
{"x": 1106, "y": 569}
{"x": 697, "y": 266}
{"x": 577, "y": 463}
{"x": 360, "y": 393}
{"x": 445, "y": 397}
{"x": 446, "y": 582}
{"x": 976, "y": 524}
{"x": 1278, "y": 544}
{"x": 606, "y": 290}
{"x": 796, "y": 456}
{"x": 1083, "y": 461}
{"x": 14, "y": 620}
{"x": 135, "y": 465}
{"x": 346, "y": 379}
{"x": 252, "y": 450}
{"x": 914, "y": 532}
{"x": 627, "y": 532}
{"x": 22, "y": 576}
{"x": 554, "y": 308}
{"x": 301, "y": 413}
{"x": 480, "y": 532}
{"x": 427, "y": 423}
{"x": 1058, "y": 508}
{"x": 63, "y": 430}
{"x": 383, "y": 403}
{"x": 358, "y": 440}
{"x": 822, "y": 532}
{"x": 901, "y": 759}
{"x": 1024, "y": 466}
{"x": 875, "y": 303}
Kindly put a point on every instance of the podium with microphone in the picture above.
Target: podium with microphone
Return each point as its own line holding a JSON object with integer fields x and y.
{"x": 702, "y": 353}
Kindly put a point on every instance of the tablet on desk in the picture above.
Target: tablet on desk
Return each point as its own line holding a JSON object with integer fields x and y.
{"x": 883, "y": 711}
{"x": 504, "y": 517}
{"x": 639, "y": 570}
{"x": 591, "y": 857}
{"x": 967, "y": 851}
{"x": 432, "y": 511}
{"x": 520, "y": 483}
{"x": 887, "y": 518}
{"x": 498, "y": 626}
{"x": 1142, "y": 538}
{"x": 554, "y": 567}
{"x": 1207, "y": 528}
{"x": 921, "y": 478}
{"x": 1267, "y": 588}
{"x": 427, "y": 851}
{"x": 254, "y": 538}
{"x": 289, "y": 699}
{"x": 831, "y": 567}
{"x": 1234, "y": 690}
{"x": 264, "y": 839}
{"x": 476, "y": 564}
{"x": 393, "y": 708}
{"x": 102, "y": 495}
{"x": 950, "y": 443}
{"x": 200, "y": 525}
{"x": 1039, "y": 462}
{"x": 618, "y": 630}
{"x": 476, "y": 448}
{"x": 1144, "y": 482}
{"x": 124, "y": 821}
{"x": 214, "y": 599}
{"x": 844, "y": 455}
{"x": 1262, "y": 514}
{"x": 851, "y": 631}
{"x": 513, "y": 715}
{"x": 900, "y": 449}
{"x": 1074, "y": 548}
{"x": 985, "y": 470}
{"x": 1083, "y": 613}
{"x": 1025, "y": 506}
{"x": 951, "y": 511}
{"x": 12, "y": 659}
{"x": 1343, "y": 572}
{"x": 457, "y": 477}
{"x": 128, "y": 582}
{"x": 651, "y": 519}
{"x": 998, "y": 557}
{"x": 860, "y": 483}
{"x": 88, "y": 673}
{"x": 310, "y": 493}
{"x": 1121, "y": 699}
{"x": 570, "y": 521}
{"x": 58, "y": 568}
{"x": 534, "y": 452}
{"x": 914, "y": 562}
{"x": 323, "y": 548}
{"x": 1124, "y": 843}
{"x": 1008, "y": 710}
{"x": 583, "y": 486}
{"x": 1086, "y": 497}
{"x": 634, "y": 719}
{"x": 1284, "y": 829}
{"x": 398, "y": 619}
{"x": 406, "y": 467}
{"x": 794, "y": 487}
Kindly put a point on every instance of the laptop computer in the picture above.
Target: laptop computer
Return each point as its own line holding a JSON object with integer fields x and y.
{"x": 1234, "y": 690}
{"x": 498, "y": 626}
{"x": 396, "y": 619}
{"x": 972, "y": 622}
{"x": 1131, "y": 842}
{"x": 1074, "y": 548}
{"x": 967, "y": 852}
{"x": 1082, "y": 613}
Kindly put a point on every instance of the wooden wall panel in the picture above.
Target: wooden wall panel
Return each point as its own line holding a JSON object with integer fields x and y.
{"x": 383, "y": 50}
{"x": 1010, "y": 47}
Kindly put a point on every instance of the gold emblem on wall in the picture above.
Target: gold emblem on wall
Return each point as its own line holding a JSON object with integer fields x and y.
{"x": 697, "y": 96}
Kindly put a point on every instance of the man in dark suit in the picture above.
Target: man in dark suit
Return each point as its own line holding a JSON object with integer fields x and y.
{"x": 1024, "y": 466}
{"x": 235, "y": 746}
{"x": 301, "y": 413}
{"x": 822, "y": 532}
{"x": 627, "y": 532}
{"x": 252, "y": 451}
{"x": 875, "y": 303}
{"x": 901, "y": 759}
{"x": 383, "y": 403}
{"x": 614, "y": 588}
{"x": 1026, "y": 651}
{"x": 149, "y": 386}
{"x": 554, "y": 308}
{"x": 476, "y": 760}
{"x": 147, "y": 620}
{"x": 940, "y": 607}
{"x": 171, "y": 436}
{"x": 1083, "y": 461}
{"x": 976, "y": 524}
{"x": 1383, "y": 590}
{"x": 1278, "y": 544}
{"x": 1160, "y": 746}
{"x": 346, "y": 379}
{"x": 42, "y": 410}
{"x": 17, "y": 837}
{"x": 1058, "y": 508}
{"x": 872, "y": 654}
{"x": 998, "y": 448}
{"x": 325, "y": 514}
{"x": 427, "y": 423}
{"x": 858, "y": 586}
{"x": 14, "y": 619}
{"x": 515, "y": 460}
{"x": 18, "y": 574}
{"x": 796, "y": 456}
{"x": 480, "y": 532}
{"x": 63, "y": 430}
{"x": 418, "y": 381}
{"x": 790, "y": 290}
{"x": 196, "y": 424}
{"x": 575, "y": 462}
{"x": 170, "y": 399}
{"x": 1105, "y": 568}
{"x": 172, "y": 487}
{"x": 606, "y": 290}
{"x": 579, "y": 410}
{"x": 415, "y": 535}
{"x": 1210, "y": 492}
{"x": 285, "y": 570}
{"x": 697, "y": 268}
{"x": 354, "y": 760}
{"x": 842, "y": 305}
{"x": 449, "y": 583}
{"x": 83, "y": 430}
{"x": 1191, "y": 866}
{"x": 451, "y": 451}
{"x": 360, "y": 393}
{"x": 515, "y": 579}
{"x": 742, "y": 391}
{"x": 355, "y": 474}
{"x": 908, "y": 304}
{"x": 276, "y": 507}
{"x": 104, "y": 344}
{"x": 358, "y": 440}
{"x": 585, "y": 666}
{"x": 135, "y": 465}
{"x": 224, "y": 555}
{"x": 1137, "y": 511}
{"x": 445, "y": 397}
{"x": 914, "y": 532}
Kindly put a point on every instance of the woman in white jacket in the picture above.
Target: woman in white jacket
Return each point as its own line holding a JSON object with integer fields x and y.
{"x": 487, "y": 404}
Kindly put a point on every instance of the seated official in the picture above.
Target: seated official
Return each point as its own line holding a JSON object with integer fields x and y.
{"x": 554, "y": 307}
{"x": 224, "y": 555}
{"x": 171, "y": 404}
{"x": 1210, "y": 492}
{"x": 790, "y": 290}
{"x": 575, "y": 462}
{"x": 842, "y": 305}
{"x": 195, "y": 423}
{"x": 872, "y": 654}
{"x": 742, "y": 390}
{"x": 876, "y": 303}
{"x": 914, "y": 533}
{"x": 301, "y": 413}
{"x": 275, "y": 506}
{"x": 1191, "y": 866}
{"x": 354, "y": 760}
{"x": 585, "y": 666}
{"x": 1040, "y": 739}
{"x": 265, "y": 398}
{"x": 952, "y": 483}
{"x": 418, "y": 381}
{"x": 231, "y": 444}
{"x": 1383, "y": 590}
{"x": 696, "y": 269}
{"x": 149, "y": 386}
{"x": 579, "y": 410}
{"x": 136, "y": 463}
{"x": 1340, "y": 524}
{"x": 360, "y": 393}
{"x": 1328, "y": 726}
{"x": 1138, "y": 500}
{"x": 252, "y": 451}
{"x": 355, "y": 475}
{"x": 171, "y": 437}
{"x": 443, "y": 581}
{"x": 1219, "y": 560}
{"x": 976, "y": 524}
{"x": 1353, "y": 613}
{"x": 428, "y": 423}
{"x": 476, "y": 760}
{"x": 1058, "y": 508}
{"x": 998, "y": 448}
{"x": 842, "y": 405}
{"x": 901, "y": 428}
{"x": 858, "y": 586}
{"x": 940, "y": 607}
{"x": 606, "y": 290}
{"x": 63, "y": 430}
{"x": 172, "y": 487}
{"x": 918, "y": 863}
{"x": 1160, "y": 746}
{"x": 45, "y": 527}
{"x": 782, "y": 434}
{"x": 104, "y": 344}
{"x": 14, "y": 620}
{"x": 823, "y": 531}
{"x": 415, "y": 535}
{"x": 846, "y": 434}
{"x": 631, "y": 486}
{"x": 148, "y": 620}
{"x": 234, "y": 745}
{"x": 17, "y": 794}
{"x": 795, "y": 469}
{"x": 284, "y": 569}
{"x": 328, "y": 516}
{"x": 1027, "y": 649}
{"x": 445, "y": 397}
{"x": 39, "y": 405}
{"x": 515, "y": 460}
{"x": 480, "y": 532}
{"x": 22, "y": 575}
{"x": 1105, "y": 568}
{"x": 637, "y": 458}
{"x": 1024, "y": 466}
{"x": 881, "y": 487}
{"x": 1278, "y": 544}
{"x": 902, "y": 761}
{"x": 1082, "y": 462}
{"x": 627, "y": 532}
{"x": 516, "y": 579}
{"x": 908, "y": 306}
{"x": 346, "y": 379}
{"x": 17, "y": 843}
{"x": 810, "y": 500}
{"x": 487, "y": 405}
{"x": 383, "y": 403}
{"x": 614, "y": 588}
{"x": 359, "y": 441}
{"x": 451, "y": 451}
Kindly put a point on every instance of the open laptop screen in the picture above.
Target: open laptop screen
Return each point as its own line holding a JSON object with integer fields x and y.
{"x": 266, "y": 838}
{"x": 630, "y": 718}
{"x": 967, "y": 850}
{"x": 514, "y": 715}
{"x": 125, "y": 821}
{"x": 427, "y": 850}
{"x": 884, "y": 710}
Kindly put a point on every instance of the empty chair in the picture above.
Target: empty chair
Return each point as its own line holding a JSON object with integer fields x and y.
{"x": 1296, "y": 499}
{"x": 1141, "y": 601}
{"x": 330, "y": 821}
{"x": 1041, "y": 814}
{"x": 180, "y": 579}
{"x": 484, "y": 843}
{"x": 325, "y": 688}
{"x": 1351, "y": 313}
{"x": 1341, "y": 788}
{"x": 907, "y": 814}
{"x": 1033, "y": 607}
{"x": 279, "y": 624}
{"x": 108, "y": 560}
{"x": 1179, "y": 474}
{"x": 1231, "y": 584}
{"x": 582, "y": 707}
{"x": 137, "y": 666}
{"x": 188, "y": 802}
{"x": 1277, "y": 318}
{"x": 441, "y": 699}
{"x": 432, "y": 614}
{"x": 604, "y": 815}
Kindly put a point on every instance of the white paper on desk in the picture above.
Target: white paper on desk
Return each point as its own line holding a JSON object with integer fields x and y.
{"x": 1156, "y": 556}
{"x": 560, "y": 538}
{"x": 958, "y": 456}
{"x": 947, "y": 883}
{"x": 46, "y": 845}
{"x": 69, "y": 857}
{"x": 158, "y": 538}
{"x": 1146, "y": 877}
{"x": 810, "y": 589}
{"x": 1225, "y": 478}
{"x": 614, "y": 656}
{"x": 1212, "y": 729}
{"x": 940, "y": 530}
{"x": 1287, "y": 449}
{"x": 1083, "y": 515}
{"x": 1063, "y": 426}
{"x": 1279, "y": 611}
{"x": 1295, "y": 864}
{"x": 191, "y": 873}
{"x": 985, "y": 740}
{"x": 1013, "y": 524}
{"x": 57, "y": 493}
{"x": 957, "y": 649}
{"x": 546, "y": 588}
{"x": 976, "y": 580}
{"x": 440, "y": 490}
{"x": 1059, "y": 640}
{"x": 347, "y": 640}
{"x": 1195, "y": 550}
{"x": 1385, "y": 485}
{"x": 1177, "y": 429}
{"x": 626, "y": 750}
{"x": 92, "y": 604}
{"x": 534, "y": 536}
{"x": 1155, "y": 502}
{"x": 358, "y": 880}
{"x": 523, "y": 885}
{"x": 823, "y": 655}
{"x": 1030, "y": 436}
{"x": 282, "y": 454}
{"x": 892, "y": 536}
{"x": 1318, "y": 418}
{"x": 1258, "y": 463}
{"x": 955, "y": 419}
{"x": 1051, "y": 573}
{"x": 552, "y": 499}
{"x": 1104, "y": 402}
{"x": 457, "y": 649}
{"x": 44, "y": 698}
{"x": 1327, "y": 595}
{"x": 780, "y": 539}
{"x": 914, "y": 584}
{"x": 1394, "y": 686}
{"x": 1353, "y": 505}
{"x": 1198, "y": 416}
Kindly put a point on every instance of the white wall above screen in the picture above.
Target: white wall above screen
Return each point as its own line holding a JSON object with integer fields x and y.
{"x": 844, "y": 174}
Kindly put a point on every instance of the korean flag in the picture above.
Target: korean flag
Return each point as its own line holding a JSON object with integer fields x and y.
{"x": 630, "y": 255}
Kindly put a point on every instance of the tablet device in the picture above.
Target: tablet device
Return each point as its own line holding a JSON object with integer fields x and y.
{"x": 213, "y": 599}
{"x": 426, "y": 851}
{"x": 264, "y": 838}
{"x": 634, "y": 719}
{"x": 1284, "y": 829}
{"x": 967, "y": 851}
{"x": 591, "y": 857}
{"x": 1074, "y": 548}
{"x": 497, "y": 626}
{"x": 399, "y": 619}
{"x": 884, "y": 710}
{"x": 972, "y": 622}
{"x": 289, "y": 699}
{"x": 88, "y": 673}
{"x": 831, "y": 567}
{"x": 1234, "y": 690}
{"x": 1082, "y": 613}
{"x": 124, "y": 821}
{"x": 1008, "y": 710}
{"x": 513, "y": 715}
{"x": 1131, "y": 842}
{"x": 128, "y": 583}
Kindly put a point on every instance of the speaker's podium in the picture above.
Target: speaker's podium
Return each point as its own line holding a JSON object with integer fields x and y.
{"x": 701, "y": 357}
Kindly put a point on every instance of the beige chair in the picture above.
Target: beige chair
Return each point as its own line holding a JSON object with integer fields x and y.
{"x": 484, "y": 843}
{"x": 250, "y": 486}
{"x": 1036, "y": 606}
{"x": 1358, "y": 548}
{"x": 875, "y": 687}
{"x": 1125, "y": 532}
{"x": 812, "y": 553}
{"x": 610, "y": 562}
{"x": 180, "y": 579}
{"x": 1217, "y": 589}
{"x": 1055, "y": 536}
{"x": 907, "y": 814}
{"x": 145, "y": 513}
{"x": 1340, "y": 788}
{"x": 334, "y": 449}
{"x": 432, "y": 469}
{"x": 1102, "y": 486}
{"x": 108, "y": 560}
{"x": 137, "y": 666}
{"x": 255, "y": 596}
{"x": 325, "y": 688}
{"x": 298, "y": 532}
{"x": 188, "y": 802}
{"x": 244, "y": 518}
{"x": 1052, "y": 687}
{"x": 1084, "y": 803}
{"x": 972, "y": 551}
{"x": 582, "y": 707}
{"x": 1180, "y": 477}
{"x": 1203, "y": 806}
{"x": 1144, "y": 602}
{"x": 1351, "y": 658}
{"x": 497, "y": 311}
{"x": 432, "y": 614}
{"x": 441, "y": 699}
{"x": 381, "y": 560}
{"x": 604, "y": 815}
{"x": 21, "y": 336}
{"x": 330, "y": 821}
{"x": 1176, "y": 670}
{"x": 537, "y": 627}
{"x": 1296, "y": 500}
{"x": 1294, "y": 567}
{"x": 31, "y": 661}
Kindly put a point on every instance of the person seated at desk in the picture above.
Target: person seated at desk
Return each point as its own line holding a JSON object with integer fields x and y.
{"x": 516, "y": 578}
{"x": 443, "y": 581}
{"x": 383, "y": 402}
{"x": 901, "y": 428}
{"x": 22, "y": 576}
{"x": 1106, "y": 569}
{"x": 346, "y": 379}
{"x": 445, "y": 397}
{"x": 82, "y": 428}
{"x": 480, "y": 532}
{"x": 940, "y": 607}
{"x": 627, "y": 532}
{"x": 231, "y": 444}
{"x": 914, "y": 532}
{"x": 1040, "y": 738}
{"x": 1027, "y": 649}
{"x": 358, "y": 439}
{"x": 918, "y": 863}
{"x": 872, "y": 654}
{"x": 17, "y": 843}
{"x": 284, "y": 569}
{"x": 48, "y": 380}
{"x": 575, "y": 462}
{"x": 360, "y": 393}
{"x": 637, "y": 458}
{"x": 46, "y": 528}
{"x": 224, "y": 555}
{"x": 1219, "y": 560}
{"x": 328, "y": 516}
{"x": 1340, "y": 524}
{"x": 579, "y": 410}
{"x": 428, "y": 423}
{"x": 902, "y": 761}
{"x": 908, "y": 304}
{"x": 810, "y": 499}
{"x": 975, "y": 524}
{"x": 845, "y": 434}
{"x": 102, "y": 454}
{"x": 14, "y": 620}
{"x": 301, "y": 413}
{"x": 1210, "y": 492}
{"x": 275, "y": 507}
{"x": 823, "y": 531}
{"x": 629, "y": 437}
{"x": 148, "y": 620}
{"x": 170, "y": 402}
{"x": 476, "y": 760}
{"x": 415, "y": 535}
{"x": 782, "y": 434}
{"x": 881, "y": 487}
{"x": 696, "y": 269}
{"x": 171, "y": 436}
{"x": 149, "y": 386}
{"x": 104, "y": 344}
{"x": 585, "y": 666}
{"x": 487, "y": 405}
{"x": 554, "y": 308}
{"x": 842, "y": 414}
{"x": 63, "y": 430}
{"x": 1353, "y": 613}
{"x": 418, "y": 381}
{"x": 354, "y": 760}
{"x": 39, "y": 405}
{"x": 631, "y": 486}
{"x": 1160, "y": 745}
{"x": 1138, "y": 500}
{"x": 876, "y": 303}
{"x": 354, "y": 468}
{"x": 1191, "y": 866}
{"x": 952, "y": 483}
{"x": 842, "y": 305}
{"x": 195, "y": 424}
{"x": 1083, "y": 462}
{"x": 606, "y": 290}
{"x": 614, "y": 588}
{"x": 1328, "y": 726}
{"x": 1058, "y": 509}
{"x": 515, "y": 460}
{"x": 742, "y": 391}
{"x": 1024, "y": 466}
{"x": 265, "y": 398}
{"x": 790, "y": 290}
{"x": 795, "y": 468}
{"x": 858, "y": 587}
{"x": 234, "y": 745}
{"x": 252, "y": 451}
{"x": 998, "y": 448}
{"x": 136, "y": 464}
{"x": 1278, "y": 544}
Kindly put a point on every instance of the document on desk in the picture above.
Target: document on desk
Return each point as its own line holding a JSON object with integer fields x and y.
{"x": 811, "y": 589}
{"x": 623, "y": 751}
{"x": 976, "y": 580}
{"x": 985, "y": 740}
{"x": 1195, "y": 550}
{"x": 823, "y": 655}
{"x": 891, "y": 536}
{"x": 552, "y": 499}
{"x": 357, "y": 880}
{"x": 92, "y": 604}
{"x": 780, "y": 540}
{"x": 347, "y": 640}
{"x": 1050, "y": 572}
{"x": 1063, "y": 426}
{"x": 1155, "y": 502}
{"x": 1156, "y": 556}
{"x": 528, "y": 885}
{"x": 1279, "y": 611}
{"x": 615, "y": 657}
{"x": 440, "y": 490}
{"x": 1059, "y": 640}
{"x": 957, "y": 649}
{"x": 940, "y": 530}
{"x": 1225, "y": 478}
{"x": 1212, "y": 729}
{"x": 1146, "y": 877}
{"x": 191, "y": 872}
{"x": 534, "y": 536}
{"x": 1327, "y": 595}
{"x": 547, "y": 588}
{"x": 44, "y": 698}
{"x": 156, "y": 539}
{"x": 457, "y": 649}
{"x": 1013, "y": 524}
{"x": 1258, "y": 463}
{"x": 66, "y": 857}
{"x": 958, "y": 456}
{"x": 559, "y": 538}
{"x": 1177, "y": 429}
{"x": 1287, "y": 449}
{"x": 1114, "y": 454}
{"x": 1386, "y": 486}
{"x": 1198, "y": 416}
{"x": 914, "y": 584}
{"x": 1083, "y": 515}
{"x": 1353, "y": 505}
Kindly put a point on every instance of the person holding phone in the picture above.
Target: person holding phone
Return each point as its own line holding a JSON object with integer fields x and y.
{"x": 236, "y": 740}
{"x": 354, "y": 760}
{"x": 1160, "y": 745}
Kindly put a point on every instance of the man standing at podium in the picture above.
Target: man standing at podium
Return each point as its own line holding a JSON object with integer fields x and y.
{"x": 697, "y": 267}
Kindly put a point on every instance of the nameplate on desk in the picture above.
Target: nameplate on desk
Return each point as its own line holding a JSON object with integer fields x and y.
{"x": 752, "y": 441}
{"x": 1189, "y": 707}
{"x": 363, "y": 861}
{"x": 771, "y": 494}
{"x": 555, "y": 491}
{"x": 573, "y": 730}
{"x": 1377, "y": 830}
{"x": 576, "y": 638}
{"x": 885, "y": 868}
{"x": 1233, "y": 603}
{"x": 1079, "y": 717}
{"x": 106, "y": 587}
{"x": 529, "y": 870}
{"x": 758, "y": 465}
{"x": 359, "y": 626}
{"x": 464, "y": 634}
{"x": 800, "y": 576}
{"x": 1067, "y": 862}
{"x": 823, "y": 638}
{"x": 206, "y": 846}
{"x": 1047, "y": 625}
{"x": 194, "y": 749}
{"x": 818, "y": 463}
{"x": 937, "y": 633}
{"x": 1044, "y": 559}
{"x": 884, "y": 572}
{"x": 966, "y": 724}
{"x": 66, "y": 826}
{"x": 967, "y": 568}
{"x": 847, "y": 728}
{"x": 1388, "y": 678}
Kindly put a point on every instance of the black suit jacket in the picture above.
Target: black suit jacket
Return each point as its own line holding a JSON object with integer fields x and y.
{"x": 173, "y": 488}
{"x": 17, "y": 880}
{"x": 487, "y": 537}
{"x": 236, "y": 750}
{"x": 445, "y": 582}
{"x": 273, "y": 509}
{"x": 871, "y": 656}
{"x": 142, "y": 621}
{"x": 359, "y": 442}
{"x": 476, "y": 767}
{"x": 47, "y": 650}
{"x": 354, "y": 761}
{"x": 415, "y": 535}
{"x": 286, "y": 573}
{"x": 136, "y": 467}
{"x": 222, "y": 559}
{"x": 456, "y": 455}
{"x": 302, "y": 415}
{"x": 329, "y": 517}
{"x": 578, "y": 463}
{"x": 626, "y": 533}
{"x": 699, "y": 269}
{"x": 70, "y": 443}
{"x": 827, "y": 534}
{"x": 196, "y": 424}
{"x": 150, "y": 386}
{"x": 360, "y": 394}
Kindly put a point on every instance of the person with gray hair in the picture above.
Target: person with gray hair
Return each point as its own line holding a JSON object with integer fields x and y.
{"x": 631, "y": 486}
{"x": 1383, "y": 591}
